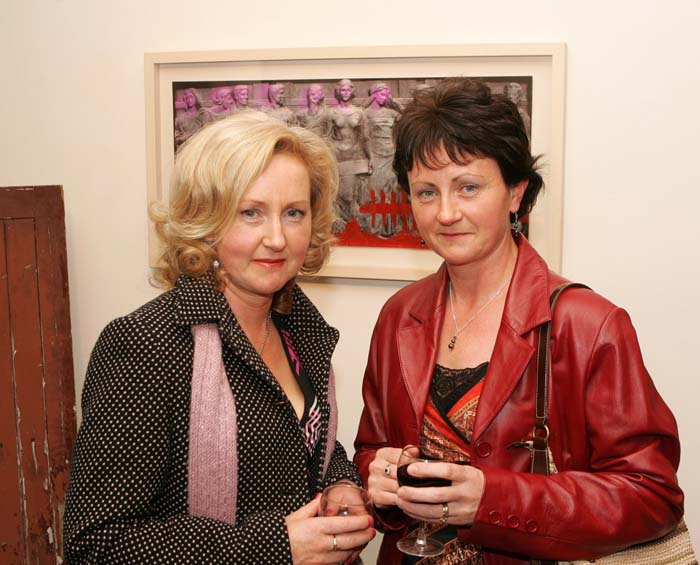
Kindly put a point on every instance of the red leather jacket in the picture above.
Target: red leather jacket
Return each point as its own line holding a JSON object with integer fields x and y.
{"x": 613, "y": 439}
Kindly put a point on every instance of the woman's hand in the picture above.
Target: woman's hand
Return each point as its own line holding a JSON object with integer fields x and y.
{"x": 316, "y": 540}
{"x": 462, "y": 497}
{"x": 382, "y": 484}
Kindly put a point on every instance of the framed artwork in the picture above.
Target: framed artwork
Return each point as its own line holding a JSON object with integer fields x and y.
{"x": 351, "y": 97}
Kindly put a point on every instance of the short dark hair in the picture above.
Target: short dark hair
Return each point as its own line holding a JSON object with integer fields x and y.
{"x": 464, "y": 117}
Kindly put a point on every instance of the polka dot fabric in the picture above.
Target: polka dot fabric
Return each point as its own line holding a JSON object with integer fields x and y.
{"x": 127, "y": 496}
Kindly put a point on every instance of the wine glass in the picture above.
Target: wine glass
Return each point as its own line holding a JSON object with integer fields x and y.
{"x": 344, "y": 499}
{"x": 417, "y": 542}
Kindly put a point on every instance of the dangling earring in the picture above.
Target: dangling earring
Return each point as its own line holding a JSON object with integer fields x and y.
{"x": 515, "y": 225}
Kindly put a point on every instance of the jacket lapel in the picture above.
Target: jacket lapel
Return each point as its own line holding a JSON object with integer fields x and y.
{"x": 510, "y": 357}
{"x": 198, "y": 301}
{"x": 314, "y": 341}
{"x": 526, "y": 307}
{"x": 417, "y": 343}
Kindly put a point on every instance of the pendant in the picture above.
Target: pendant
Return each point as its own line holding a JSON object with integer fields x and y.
{"x": 451, "y": 345}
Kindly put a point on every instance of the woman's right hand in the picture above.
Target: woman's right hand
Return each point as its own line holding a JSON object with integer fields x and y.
{"x": 382, "y": 485}
{"x": 311, "y": 538}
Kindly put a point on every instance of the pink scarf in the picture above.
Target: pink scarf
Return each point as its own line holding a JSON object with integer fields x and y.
{"x": 213, "y": 454}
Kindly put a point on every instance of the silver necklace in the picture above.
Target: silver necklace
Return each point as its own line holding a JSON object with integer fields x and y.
{"x": 458, "y": 330}
{"x": 268, "y": 323}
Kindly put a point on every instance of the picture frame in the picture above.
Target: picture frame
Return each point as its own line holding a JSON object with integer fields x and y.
{"x": 543, "y": 64}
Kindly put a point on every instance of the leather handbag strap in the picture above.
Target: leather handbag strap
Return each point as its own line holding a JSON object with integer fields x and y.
{"x": 540, "y": 434}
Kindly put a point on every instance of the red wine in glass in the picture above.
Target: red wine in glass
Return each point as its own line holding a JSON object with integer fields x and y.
{"x": 408, "y": 480}
{"x": 418, "y": 543}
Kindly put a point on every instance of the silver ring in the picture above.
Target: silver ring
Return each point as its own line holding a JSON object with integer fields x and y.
{"x": 387, "y": 470}
{"x": 445, "y": 513}
{"x": 335, "y": 543}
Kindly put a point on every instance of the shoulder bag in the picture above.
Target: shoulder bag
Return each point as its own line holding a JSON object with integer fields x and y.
{"x": 675, "y": 548}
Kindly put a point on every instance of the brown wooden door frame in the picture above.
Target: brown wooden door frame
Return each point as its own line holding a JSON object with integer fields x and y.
{"x": 37, "y": 398}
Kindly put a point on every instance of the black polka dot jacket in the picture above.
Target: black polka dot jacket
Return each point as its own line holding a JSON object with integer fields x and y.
{"x": 127, "y": 495}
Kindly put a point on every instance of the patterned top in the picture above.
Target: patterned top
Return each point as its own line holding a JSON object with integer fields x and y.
{"x": 451, "y": 410}
{"x": 127, "y": 496}
{"x": 311, "y": 418}
{"x": 448, "y": 425}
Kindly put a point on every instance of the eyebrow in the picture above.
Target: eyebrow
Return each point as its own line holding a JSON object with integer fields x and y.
{"x": 458, "y": 178}
{"x": 464, "y": 175}
{"x": 249, "y": 201}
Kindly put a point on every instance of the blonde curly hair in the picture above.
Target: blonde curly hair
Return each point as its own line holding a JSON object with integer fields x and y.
{"x": 212, "y": 171}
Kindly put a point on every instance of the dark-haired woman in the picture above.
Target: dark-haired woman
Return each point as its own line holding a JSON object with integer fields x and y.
{"x": 450, "y": 366}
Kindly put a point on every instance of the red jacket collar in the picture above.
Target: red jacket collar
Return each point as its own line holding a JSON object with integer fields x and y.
{"x": 527, "y": 301}
{"x": 527, "y": 306}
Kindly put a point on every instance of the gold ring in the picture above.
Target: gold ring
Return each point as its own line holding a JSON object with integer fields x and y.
{"x": 387, "y": 470}
{"x": 335, "y": 543}
{"x": 445, "y": 513}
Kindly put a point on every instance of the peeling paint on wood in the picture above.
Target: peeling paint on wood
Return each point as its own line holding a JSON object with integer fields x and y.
{"x": 37, "y": 400}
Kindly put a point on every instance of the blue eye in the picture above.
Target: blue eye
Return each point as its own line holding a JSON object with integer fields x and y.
{"x": 425, "y": 193}
{"x": 469, "y": 188}
{"x": 296, "y": 214}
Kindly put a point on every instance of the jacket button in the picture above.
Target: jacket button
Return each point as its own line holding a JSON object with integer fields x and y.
{"x": 494, "y": 517}
{"x": 513, "y": 521}
{"x": 531, "y": 526}
{"x": 483, "y": 449}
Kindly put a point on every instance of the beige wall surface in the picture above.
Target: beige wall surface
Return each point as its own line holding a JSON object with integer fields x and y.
{"x": 72, "y": 113}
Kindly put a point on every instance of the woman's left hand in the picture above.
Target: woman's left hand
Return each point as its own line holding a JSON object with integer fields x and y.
{"x": 462, "y": 497}
{"x": 334, "y": 539}
{"x": 381, "y": 483}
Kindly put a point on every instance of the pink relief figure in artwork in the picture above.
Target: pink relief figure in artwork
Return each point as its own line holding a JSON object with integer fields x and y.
{"x": 241, "y": 93}
{"x": 276, "y": 104}
{"x": 315, "y": 116}
{"x": 189, "y": 116}
{"x": 350, "y": 140}
{"x": 222, "y": 98}
{"x": 221, "y": 103}
{"x": 180, "y": 104}
{"x": 381, "y": 114}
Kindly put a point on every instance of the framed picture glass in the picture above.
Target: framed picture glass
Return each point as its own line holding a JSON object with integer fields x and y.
{"x": 351, "y": 97}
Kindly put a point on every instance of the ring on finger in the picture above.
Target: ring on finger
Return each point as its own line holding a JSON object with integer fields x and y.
{"x": 445, "y": 513}
{"x": 335, "y": 543}
{"x": 387, "y": 470}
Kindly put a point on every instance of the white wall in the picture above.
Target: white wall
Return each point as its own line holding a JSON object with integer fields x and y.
{"x": 73, "y": 113}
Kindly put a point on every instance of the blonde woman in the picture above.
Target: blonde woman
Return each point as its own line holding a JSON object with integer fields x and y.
{"x": 209, "y": 413}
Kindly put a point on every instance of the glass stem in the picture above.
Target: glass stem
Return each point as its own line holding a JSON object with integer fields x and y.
{"x": 421, "y": 536}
